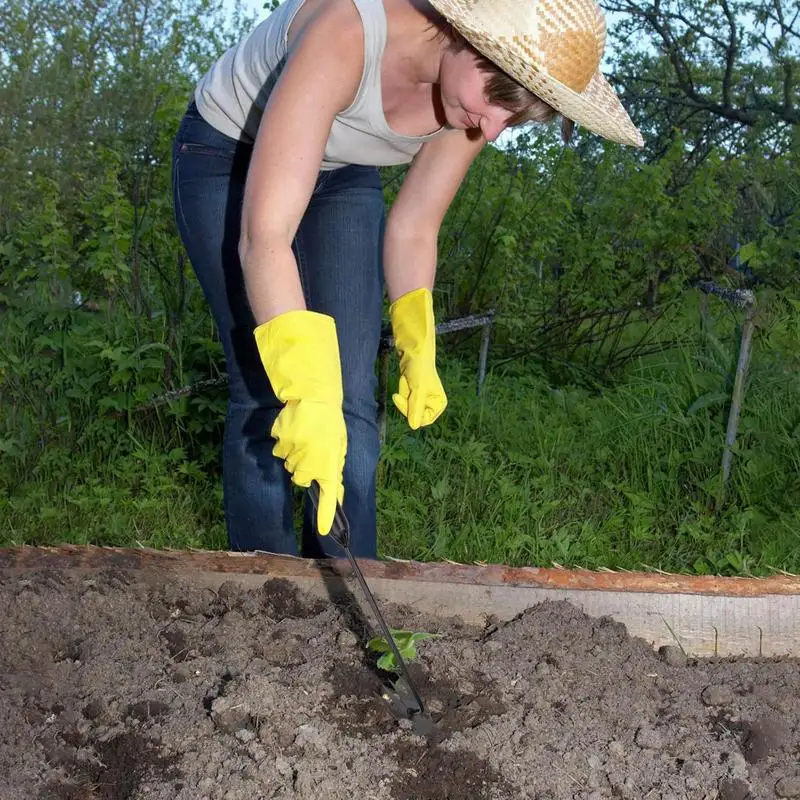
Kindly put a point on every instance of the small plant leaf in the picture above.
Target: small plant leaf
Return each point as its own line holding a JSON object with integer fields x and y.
{"x": 386, "y": 662}
{"x": 406, "y": 645}
{"x": 378, "y": 645}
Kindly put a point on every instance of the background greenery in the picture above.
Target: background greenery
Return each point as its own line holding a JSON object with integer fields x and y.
{"x": 598, "y": 437}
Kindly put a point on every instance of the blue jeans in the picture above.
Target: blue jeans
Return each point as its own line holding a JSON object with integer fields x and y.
{"x": 338, "y": 251}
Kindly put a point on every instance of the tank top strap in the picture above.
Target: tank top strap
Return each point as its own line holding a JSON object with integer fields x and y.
{"x": 368, "y": 97}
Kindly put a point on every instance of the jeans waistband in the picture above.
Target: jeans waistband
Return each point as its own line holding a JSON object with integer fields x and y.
{"x": 194, "y": 130}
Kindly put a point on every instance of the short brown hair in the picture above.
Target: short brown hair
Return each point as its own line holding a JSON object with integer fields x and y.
{"x": 501, "y": 89}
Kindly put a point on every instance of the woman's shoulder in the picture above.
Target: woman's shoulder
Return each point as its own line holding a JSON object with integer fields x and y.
{"x": 337, "y": 22}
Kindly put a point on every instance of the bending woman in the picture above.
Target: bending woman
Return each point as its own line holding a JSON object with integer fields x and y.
{"x": 280, "y": 207}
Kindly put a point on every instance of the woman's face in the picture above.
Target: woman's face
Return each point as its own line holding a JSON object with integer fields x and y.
{"x": 463, "y": 95}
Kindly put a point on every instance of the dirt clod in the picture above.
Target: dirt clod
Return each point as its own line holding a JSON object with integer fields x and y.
{"x": 788, "y": 787}
{"x": 229, "y": 715}
{"x": 717, "y": 695}
{"x": 672, "y": 655}
{"x": 94, "y": 709}
{"x": 734, "y": 789}
{"x": 763, "y": 737}
{"x": 282, "y": 599}
{"x": 648, "y": 738}
{"x": 147, "y": 709}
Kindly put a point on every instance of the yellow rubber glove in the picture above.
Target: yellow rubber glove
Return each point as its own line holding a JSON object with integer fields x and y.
{"x": 300, "y": 353}
{"x": 420, "y": 396}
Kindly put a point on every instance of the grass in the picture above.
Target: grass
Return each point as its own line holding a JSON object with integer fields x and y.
{"x": 138, "y": 498}
{"x": 622, "y": 478}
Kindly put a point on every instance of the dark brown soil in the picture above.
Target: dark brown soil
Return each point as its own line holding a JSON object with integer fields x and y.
{"x": 113, "y": 687}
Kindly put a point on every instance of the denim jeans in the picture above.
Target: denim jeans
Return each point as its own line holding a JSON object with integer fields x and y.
{"x": 338, "y": 251}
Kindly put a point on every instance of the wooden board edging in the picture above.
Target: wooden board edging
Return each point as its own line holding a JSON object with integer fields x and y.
{"x": 272, "y": 565}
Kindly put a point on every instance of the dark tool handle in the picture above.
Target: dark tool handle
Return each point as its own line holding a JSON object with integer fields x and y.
{"x": 340, "y": 530}
{"x": 340, "y": 533}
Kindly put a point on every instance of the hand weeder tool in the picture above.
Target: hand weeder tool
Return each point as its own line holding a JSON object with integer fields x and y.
{"x": 406, "y": 702}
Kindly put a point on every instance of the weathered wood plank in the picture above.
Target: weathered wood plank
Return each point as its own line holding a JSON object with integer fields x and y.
{"x": 75, "y": 556}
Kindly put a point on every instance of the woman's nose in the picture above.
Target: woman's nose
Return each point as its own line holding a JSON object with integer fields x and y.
{"x": 492, "y": 128}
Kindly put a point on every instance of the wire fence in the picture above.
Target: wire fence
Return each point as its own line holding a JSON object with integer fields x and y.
{"x": 741, "y": 299}
{"x": 386, "y": 346}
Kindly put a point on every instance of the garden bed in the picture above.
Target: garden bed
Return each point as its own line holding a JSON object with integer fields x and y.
{"x": 123, "y": 681}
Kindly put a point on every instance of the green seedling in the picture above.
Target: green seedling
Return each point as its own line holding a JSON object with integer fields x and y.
{"x": 406, "y": 642}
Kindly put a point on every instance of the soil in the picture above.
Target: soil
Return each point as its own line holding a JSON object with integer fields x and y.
{"x": 115, "y": 685}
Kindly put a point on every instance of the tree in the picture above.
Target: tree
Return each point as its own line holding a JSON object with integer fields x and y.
{"x": 724, "y": 72}
{"x": 90, "y": 94}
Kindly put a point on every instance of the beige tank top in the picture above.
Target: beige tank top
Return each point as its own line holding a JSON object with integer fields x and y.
{"x": 232, "y": 95}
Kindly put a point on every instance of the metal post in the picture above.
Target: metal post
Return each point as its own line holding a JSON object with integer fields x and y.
{"x": 737, "y": 397}
{"x": 744, "y": 299}
{"x": 484, "y": 354}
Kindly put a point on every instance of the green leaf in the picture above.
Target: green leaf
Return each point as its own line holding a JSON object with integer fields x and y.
{"x": 701, "y": 566}
{"x": 386, "y": 663}
{"x": 749, "y": 252}
{"x": 378, "y": 645}
{"x": 406, "y": 645}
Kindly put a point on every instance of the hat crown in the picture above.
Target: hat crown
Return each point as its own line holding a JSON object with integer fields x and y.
{"x": 566, "y": 36}
{"x": 573, "y": 38}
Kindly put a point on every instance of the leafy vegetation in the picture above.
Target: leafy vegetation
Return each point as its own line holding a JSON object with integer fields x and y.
{"x": 406, "y": 642}
{"x": 598, "y": 437}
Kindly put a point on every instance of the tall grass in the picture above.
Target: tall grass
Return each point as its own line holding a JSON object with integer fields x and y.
{"x": 623, "y": 479}
{"x": 527, "y": 473}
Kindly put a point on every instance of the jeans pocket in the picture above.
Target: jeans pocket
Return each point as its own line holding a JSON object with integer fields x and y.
{"x": 200, "y": 149}
{"x": 197, "y": 137}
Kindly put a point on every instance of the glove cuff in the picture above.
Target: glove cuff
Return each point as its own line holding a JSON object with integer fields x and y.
{"x": 413, "y": 323}
{"x": 299, "y": 350}
{"x": 420, "y": 298}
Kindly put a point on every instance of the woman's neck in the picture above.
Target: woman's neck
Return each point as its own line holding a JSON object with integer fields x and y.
{"x": 418, "y": 50}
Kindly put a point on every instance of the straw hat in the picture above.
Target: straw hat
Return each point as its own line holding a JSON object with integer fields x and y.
{"x": 553, "y": 48}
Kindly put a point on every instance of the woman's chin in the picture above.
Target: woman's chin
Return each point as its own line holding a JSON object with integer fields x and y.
{"x": 454, "y": 119}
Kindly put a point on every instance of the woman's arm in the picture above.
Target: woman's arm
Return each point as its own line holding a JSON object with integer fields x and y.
{"x": 320, "y": 79}
{"x": 412, "y": 229}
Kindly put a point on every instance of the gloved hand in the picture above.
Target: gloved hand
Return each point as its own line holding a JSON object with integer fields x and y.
{"x": 300, "y": 353}
{"x": 420, "y": 396}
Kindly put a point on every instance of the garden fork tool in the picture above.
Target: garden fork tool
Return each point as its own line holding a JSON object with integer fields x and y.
{"x": 405, "y": 701}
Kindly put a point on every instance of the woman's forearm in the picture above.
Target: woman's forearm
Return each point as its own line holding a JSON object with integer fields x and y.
{"x": 409, "y": 261}
{"x": 272, "y": 281}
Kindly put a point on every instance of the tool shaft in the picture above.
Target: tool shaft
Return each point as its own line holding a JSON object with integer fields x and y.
{"x": 387, "y": 634}
{"x": 340, "y": 533}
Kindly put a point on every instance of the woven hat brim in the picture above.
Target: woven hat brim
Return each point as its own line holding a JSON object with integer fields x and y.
{"x": 596, "y": 108}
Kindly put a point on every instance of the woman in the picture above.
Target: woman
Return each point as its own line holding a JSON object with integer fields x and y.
{"x": 279, "y": 205}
